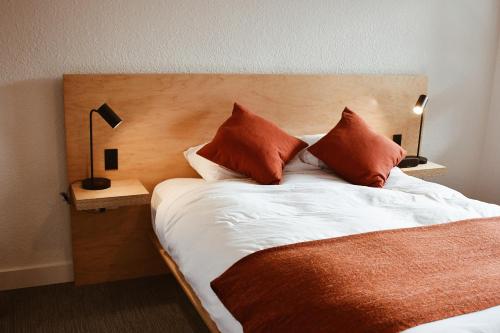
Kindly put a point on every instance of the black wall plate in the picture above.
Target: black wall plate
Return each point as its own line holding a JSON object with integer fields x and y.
{"x": 398, "y": 138}
{"x": 110, "y": 159}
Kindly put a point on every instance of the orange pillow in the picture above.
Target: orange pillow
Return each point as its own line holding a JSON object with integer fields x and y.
{"x": 357, "y": 153}
{"x": 253, "y": 146}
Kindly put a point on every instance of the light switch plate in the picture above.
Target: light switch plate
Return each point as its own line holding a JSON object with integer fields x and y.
{"x": 110, "y": 159}
{"x": 398, "y": 138}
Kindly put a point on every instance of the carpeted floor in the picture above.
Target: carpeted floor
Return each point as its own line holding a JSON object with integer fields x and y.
{"x": 155, "y": 304}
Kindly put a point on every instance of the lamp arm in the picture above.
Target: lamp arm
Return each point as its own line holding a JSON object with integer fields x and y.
{"x": 420, "y": 133}
{"x": 91, "y": 145}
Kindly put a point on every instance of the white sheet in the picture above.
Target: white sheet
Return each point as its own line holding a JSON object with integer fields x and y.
{"x": 208, "y": 226}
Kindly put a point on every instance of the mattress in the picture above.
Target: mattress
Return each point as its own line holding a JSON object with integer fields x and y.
{"x": 207, "y": 226}
{"x": 170, "y": 190}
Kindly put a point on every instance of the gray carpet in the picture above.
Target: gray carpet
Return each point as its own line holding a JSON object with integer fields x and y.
{"x": 155, "y": 304}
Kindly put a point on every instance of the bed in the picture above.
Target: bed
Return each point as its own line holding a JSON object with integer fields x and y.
{"x": 205, "y": 228}
{"x": 202, "y": 228}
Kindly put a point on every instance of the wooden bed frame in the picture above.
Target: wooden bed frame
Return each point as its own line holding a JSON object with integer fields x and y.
{"x": 163, "y": 114}
{"x": 172, "y": 266}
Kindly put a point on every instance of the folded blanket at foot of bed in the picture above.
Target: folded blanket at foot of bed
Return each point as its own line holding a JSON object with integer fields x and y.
{"x": 384, "y": 281}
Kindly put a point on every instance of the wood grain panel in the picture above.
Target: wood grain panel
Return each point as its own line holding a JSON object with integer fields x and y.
{"x": 426, "y": 171}
{"x": 163, "y": 114}
{"x": 113, "y": 245}
{"x": 127, "y": 192}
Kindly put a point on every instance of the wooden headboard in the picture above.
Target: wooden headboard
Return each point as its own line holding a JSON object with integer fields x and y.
{"x": 163, "y": 114}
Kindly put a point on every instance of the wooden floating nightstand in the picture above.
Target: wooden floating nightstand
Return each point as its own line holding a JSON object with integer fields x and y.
{"x": 427, "y": 170}
{"x": 127, "y": 192}
{"x": 112, "y": 244}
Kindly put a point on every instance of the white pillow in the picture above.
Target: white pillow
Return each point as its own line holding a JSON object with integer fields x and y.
{"x": 297, "y": 165}
{"x": 211, "y": 171}
{"x": 308, "y": 158}
{"x": 207, "y": 169}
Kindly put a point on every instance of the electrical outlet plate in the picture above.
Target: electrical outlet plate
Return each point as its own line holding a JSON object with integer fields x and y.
{"x": 110, "y": 159}
{"x": 398, "y": 138}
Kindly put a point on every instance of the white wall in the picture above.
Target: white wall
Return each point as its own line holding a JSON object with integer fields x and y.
{"x": 452, "y": 41}
{"x": 488, "y": 185}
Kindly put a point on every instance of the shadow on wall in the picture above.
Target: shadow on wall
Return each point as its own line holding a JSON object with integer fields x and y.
{"x": 34, "y": 221}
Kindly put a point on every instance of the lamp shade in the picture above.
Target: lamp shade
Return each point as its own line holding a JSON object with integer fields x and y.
{"x": 420, "y": 105}
{"x": 109, "y": 115}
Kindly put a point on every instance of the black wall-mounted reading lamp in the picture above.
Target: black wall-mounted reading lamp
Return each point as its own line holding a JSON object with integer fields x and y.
{"x": 412, "y": 160}
{"x": 113, "y": 120}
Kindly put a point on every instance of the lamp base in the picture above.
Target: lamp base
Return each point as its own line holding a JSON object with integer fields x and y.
{"x": 409, "y": 162}
{"x": 412, "y": 161}
{"x": 421, "y": 159}
{"x": 96, "y": 183}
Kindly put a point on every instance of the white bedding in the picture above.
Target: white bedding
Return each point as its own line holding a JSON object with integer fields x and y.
{"x": 208, "y": 226}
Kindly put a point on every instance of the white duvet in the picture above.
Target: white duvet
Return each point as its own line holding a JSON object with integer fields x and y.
{"x": 208, "y": 226}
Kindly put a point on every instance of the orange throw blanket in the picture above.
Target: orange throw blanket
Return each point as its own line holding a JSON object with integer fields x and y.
{"x": 384, "y": 281}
